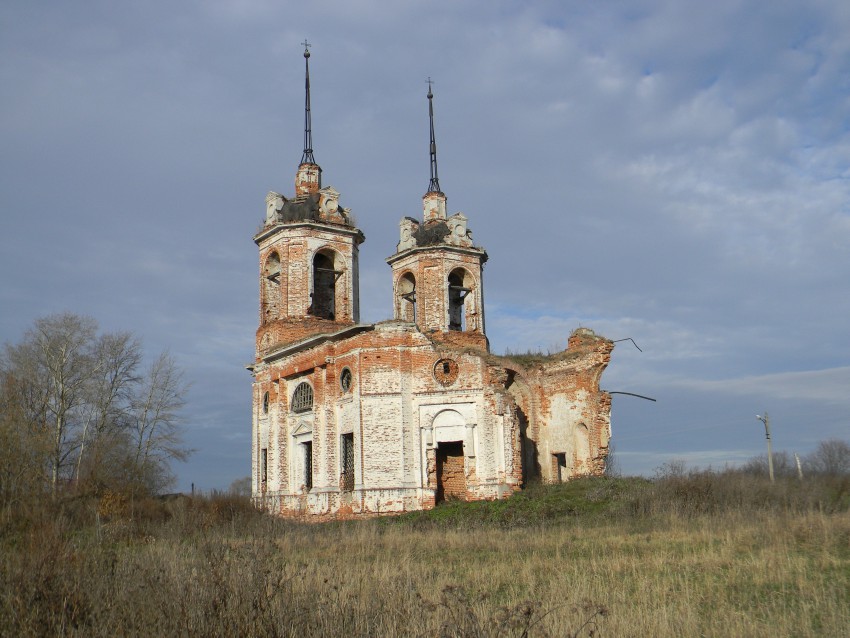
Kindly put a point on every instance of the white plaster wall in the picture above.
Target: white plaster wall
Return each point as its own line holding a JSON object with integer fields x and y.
{"x": 382, "y": 441}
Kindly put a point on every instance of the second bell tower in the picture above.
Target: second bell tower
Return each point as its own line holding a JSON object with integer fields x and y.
{"x": 437, "y": 271}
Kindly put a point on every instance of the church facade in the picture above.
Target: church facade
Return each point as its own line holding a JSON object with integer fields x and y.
{"x": 363, "y": 419}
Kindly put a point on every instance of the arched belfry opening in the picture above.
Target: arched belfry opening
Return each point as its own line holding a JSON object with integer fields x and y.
{"x": 271, "y": 288}
{"x": 406, "y": 298}
{"x": 326, "y": 272}
{"x": 460, "y": 285}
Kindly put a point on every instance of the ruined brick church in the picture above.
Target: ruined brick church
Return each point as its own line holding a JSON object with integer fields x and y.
{"x": 352, "y": 418}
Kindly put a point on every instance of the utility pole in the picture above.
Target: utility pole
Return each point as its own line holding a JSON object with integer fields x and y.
{"x": 799, "y": 466}
{"x": 766, "y": 420}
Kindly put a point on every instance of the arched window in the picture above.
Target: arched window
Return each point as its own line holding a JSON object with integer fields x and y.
{"x": 406, "y": 302}
{"x": 302, "y": 398}
{"x": 271, "y": 288}
{"x": 325, "y": 276}
{"x": 266, "y": 403}
{"x": 460, "y": 285}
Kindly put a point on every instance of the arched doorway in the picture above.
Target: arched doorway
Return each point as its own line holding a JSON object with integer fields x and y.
{"x": 449, "y": 433}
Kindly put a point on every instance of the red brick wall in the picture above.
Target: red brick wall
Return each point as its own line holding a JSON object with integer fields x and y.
{"x": 451, "y": 480}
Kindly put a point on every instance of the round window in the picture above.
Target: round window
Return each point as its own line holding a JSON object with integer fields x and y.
{"x": 345, "y": 380}
{"x": 445, "y": 371}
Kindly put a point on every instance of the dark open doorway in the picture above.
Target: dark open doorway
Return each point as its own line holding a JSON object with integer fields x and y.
{"x": 560, "y": 462}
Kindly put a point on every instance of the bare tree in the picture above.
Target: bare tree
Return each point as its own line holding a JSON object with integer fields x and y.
{"x": 155, "y": 432}
{"x": 110, "y": 395}
{"x": 831, "y": 458}
{"x": 612, "y": 465}
{"x": 74, "y": 403}
{"x": 241, "y": 487}
{"x": 783, "y": 465}
{"x": 53, "y": 364}
{"x": 24, "y": 445}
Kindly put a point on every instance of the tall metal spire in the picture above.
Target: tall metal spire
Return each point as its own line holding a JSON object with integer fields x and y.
{"x": 307, "y": 156}
{"x": 434, "y": 184}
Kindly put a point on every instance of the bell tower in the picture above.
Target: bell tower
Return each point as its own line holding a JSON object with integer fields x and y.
{"x": 308, "y": 249}
{"x": 436, "y": 269}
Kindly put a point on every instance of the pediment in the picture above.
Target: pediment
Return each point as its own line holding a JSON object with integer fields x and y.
{"x": 303, "y": 427}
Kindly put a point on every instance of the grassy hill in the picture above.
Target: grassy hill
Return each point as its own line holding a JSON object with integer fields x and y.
{"x": 716, "y": 554}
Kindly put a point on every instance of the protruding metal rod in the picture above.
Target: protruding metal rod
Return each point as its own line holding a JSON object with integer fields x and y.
{"x": 434, "y": 184}
{"x": 628, "y": 339}
{"x": 307, "y": 156}
{"x": 631, "y": 394}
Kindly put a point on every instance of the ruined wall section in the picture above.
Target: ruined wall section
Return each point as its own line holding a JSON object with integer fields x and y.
{"x": 569, "y": 416}
{"x": 575, "y": 414}
{"x": 510, "y": 381}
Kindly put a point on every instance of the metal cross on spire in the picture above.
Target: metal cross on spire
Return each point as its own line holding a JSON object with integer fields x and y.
{"x": 434, "y": 184}
{"x": 307, "y": 156}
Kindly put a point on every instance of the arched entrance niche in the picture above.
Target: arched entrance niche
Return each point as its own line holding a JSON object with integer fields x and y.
{"x": 449, "y": 431}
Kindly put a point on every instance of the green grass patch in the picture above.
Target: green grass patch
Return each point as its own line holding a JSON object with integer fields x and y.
{"x": 587, "y": 499}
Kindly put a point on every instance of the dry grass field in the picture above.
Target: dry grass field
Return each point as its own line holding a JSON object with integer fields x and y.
{"x": 705, "y": 554}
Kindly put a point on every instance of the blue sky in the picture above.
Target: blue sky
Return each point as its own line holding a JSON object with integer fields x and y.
{"x": 673, "y": 172}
